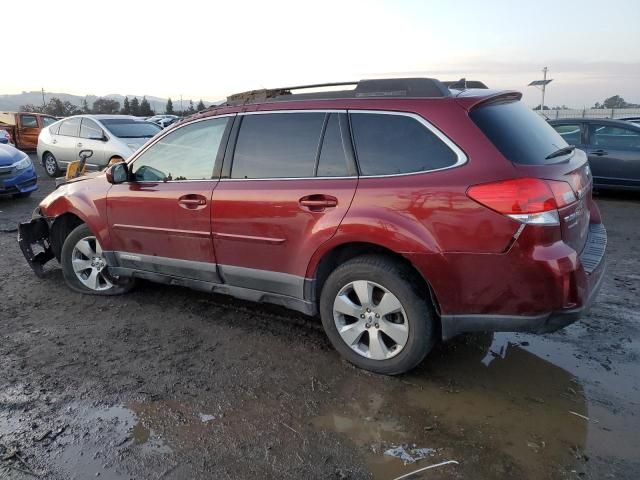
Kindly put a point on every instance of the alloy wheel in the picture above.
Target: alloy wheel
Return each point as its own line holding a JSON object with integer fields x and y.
{"x": 88, "y": 264}
{"x": 370, "y": 320}
{"x": 50, "y": 165}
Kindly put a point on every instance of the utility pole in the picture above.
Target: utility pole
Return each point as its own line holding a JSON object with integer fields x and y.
{"x": 43, "y": 102}
{"x": 542, "y": 85}
{"x": 181, "y": 109}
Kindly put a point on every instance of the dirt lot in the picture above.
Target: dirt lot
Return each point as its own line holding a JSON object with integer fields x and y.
{"x": 167, "y": 383}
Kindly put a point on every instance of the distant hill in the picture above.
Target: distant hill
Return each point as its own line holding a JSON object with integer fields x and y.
{"x": 14, "y": 102}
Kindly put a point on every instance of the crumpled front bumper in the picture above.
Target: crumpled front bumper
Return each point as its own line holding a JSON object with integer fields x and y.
{"x": 33, "y": 238}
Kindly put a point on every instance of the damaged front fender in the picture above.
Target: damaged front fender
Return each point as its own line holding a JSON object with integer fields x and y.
{"x": 33, "y": 238}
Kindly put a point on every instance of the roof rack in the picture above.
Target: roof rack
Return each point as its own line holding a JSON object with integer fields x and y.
{"x": 372, "y": 88}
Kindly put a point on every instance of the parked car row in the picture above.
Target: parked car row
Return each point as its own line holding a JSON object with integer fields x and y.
{"x": 163, "y": 120}
{"x": 401, "y": 211}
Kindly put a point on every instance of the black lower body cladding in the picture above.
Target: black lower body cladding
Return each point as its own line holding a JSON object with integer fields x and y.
{"x": 35, "y": 234}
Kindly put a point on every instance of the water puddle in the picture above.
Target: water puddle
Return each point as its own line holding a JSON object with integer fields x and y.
{"x": 504, "y": 406}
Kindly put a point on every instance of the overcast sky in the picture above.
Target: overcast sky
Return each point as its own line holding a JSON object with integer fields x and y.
{"x": 208, "y": 49}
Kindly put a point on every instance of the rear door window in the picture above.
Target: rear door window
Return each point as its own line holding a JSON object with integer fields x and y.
{"x": 70, "y": 127}
{"x": 277, "y": 145}
{"x": 520, "y": 134}
{"x": 614, "y": 137}
{"x": 55, "y": 128}
{"x": 571, "y": 133}
{"x": 388, "y": 144}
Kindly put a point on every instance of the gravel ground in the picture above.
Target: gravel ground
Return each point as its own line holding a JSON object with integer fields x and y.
{"x": 168, "y": 383}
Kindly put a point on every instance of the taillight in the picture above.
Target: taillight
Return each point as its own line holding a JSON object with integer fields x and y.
{"x": 562, "y": 192}
{"x": 527, "y": 200}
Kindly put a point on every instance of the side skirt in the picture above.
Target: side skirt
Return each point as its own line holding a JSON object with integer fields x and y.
{"x": 303, "y": 306}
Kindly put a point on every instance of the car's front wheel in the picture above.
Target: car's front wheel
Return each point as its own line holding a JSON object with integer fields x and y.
{"x": 375, "y": 316}
{"x": 50, "y": 165}
{"x": 85, "y": 268}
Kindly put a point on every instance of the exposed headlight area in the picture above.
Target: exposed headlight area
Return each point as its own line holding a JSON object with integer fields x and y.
{"x": 23, "y": 163}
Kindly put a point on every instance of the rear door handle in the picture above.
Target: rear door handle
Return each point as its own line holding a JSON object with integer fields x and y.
{"x": 192, "y": 201}
{"x": 318, "y": 202}
{"x": 54, "y": 141}
{"x": 598, "y": 152}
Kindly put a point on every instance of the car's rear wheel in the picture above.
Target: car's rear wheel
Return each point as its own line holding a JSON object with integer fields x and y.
{"x": 376, "y": 317}
{"x": 50, "y": 165}
{"x": 85, "y": 268}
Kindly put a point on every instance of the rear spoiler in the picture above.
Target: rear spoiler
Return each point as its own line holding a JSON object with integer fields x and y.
{"x": 469, "y": 102}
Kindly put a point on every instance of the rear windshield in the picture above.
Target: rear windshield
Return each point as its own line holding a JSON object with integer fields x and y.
{"x": 128, "y": 128}
{"x": 520, "y": 134}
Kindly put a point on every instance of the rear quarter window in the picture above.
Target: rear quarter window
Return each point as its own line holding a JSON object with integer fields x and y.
{"x": 388, "y": 144}
{"x": 520, "y": 134}
{"x": 571, "y": 133}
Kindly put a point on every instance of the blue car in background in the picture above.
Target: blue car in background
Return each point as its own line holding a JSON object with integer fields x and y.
{"x": 17, "y": 175}
{"x": 4, "y": 137}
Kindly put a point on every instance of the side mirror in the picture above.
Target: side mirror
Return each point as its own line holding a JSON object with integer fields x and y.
{"x": 118, "y": 173}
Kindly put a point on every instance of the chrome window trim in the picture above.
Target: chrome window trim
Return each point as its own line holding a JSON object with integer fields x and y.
{"x": 461, "y": 156}
{"x": 312, "y": 110}
{"x": 137, "y": 154}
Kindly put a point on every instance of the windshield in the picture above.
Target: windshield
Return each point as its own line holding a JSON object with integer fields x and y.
{"x": 520, "y": 134}
{"x": 129, "y": 128}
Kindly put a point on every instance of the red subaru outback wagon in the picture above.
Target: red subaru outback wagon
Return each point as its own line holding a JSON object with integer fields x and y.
{"x": 402, "y": 211}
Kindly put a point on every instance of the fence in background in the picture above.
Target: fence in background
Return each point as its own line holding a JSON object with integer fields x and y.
{"x": 591, "y": 113}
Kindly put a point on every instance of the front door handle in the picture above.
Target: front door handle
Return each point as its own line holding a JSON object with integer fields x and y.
{"x": 598, "y": 152}
{"x": 192, "y": 201}
{"x": 79, "y": 144}
{"x": 318, "y": 202}
{"x": 54, "y": 141}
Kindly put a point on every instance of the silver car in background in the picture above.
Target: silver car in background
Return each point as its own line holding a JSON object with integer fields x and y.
{"x": 109, "y": 136}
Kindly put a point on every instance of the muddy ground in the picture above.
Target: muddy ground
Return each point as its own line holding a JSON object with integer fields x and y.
{"x": 167, "y": 383}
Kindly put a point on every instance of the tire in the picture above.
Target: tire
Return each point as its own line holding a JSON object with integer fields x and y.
{"x": 81, "y": 249}
{"x": 50, "y": 165}
{"x": 413, "y": 324}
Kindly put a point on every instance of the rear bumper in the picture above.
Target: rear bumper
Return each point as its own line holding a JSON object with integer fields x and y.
{"x": 588, "y": 279}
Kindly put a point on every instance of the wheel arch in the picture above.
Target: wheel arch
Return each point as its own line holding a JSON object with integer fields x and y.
{"x": 61, "y": 227}
{"x": 44, "y": 153}
{"x": 320, "y": 269}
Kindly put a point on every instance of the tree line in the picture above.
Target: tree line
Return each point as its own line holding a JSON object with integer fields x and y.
{"x": 139, "y": 108}
{"x": 615, "y": 101}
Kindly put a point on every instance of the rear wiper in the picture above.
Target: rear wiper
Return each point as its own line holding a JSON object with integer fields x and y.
{"x": 561, "y": 151}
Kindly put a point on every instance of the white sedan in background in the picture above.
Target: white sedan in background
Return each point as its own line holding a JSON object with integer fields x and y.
{"x": 109, "y": 136}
